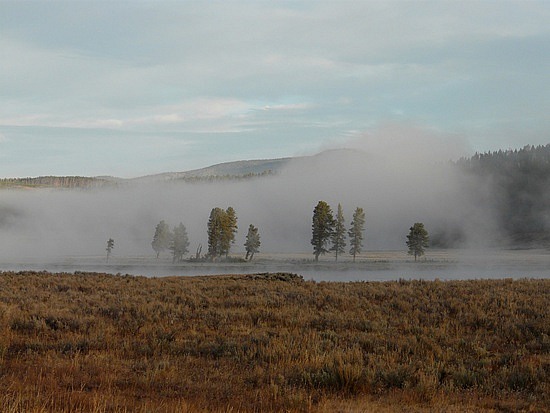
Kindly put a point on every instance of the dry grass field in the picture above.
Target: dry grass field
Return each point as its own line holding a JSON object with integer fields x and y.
{"x": 90, "y": 342}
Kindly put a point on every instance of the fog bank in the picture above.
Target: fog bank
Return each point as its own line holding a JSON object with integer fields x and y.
{"x": 397, "y": 181}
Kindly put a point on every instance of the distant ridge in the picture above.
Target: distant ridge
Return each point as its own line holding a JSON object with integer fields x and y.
{"x": 226, "y": 170}
{"x": 255, "y": 167}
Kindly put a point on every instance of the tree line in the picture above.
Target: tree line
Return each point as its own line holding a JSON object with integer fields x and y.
{"x": 329, "y": 234}
{"x": 221, "y": 230}
{"x": 519, "y": 185}
{"x": 71, "y": 182}
{"x": 175, "y": 240}
{"x": 221, "y": 178}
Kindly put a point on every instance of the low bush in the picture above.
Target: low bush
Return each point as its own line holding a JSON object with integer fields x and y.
{"x": 271, "y": 342}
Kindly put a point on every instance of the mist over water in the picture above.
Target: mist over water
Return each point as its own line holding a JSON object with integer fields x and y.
{"x": 374, "y": 266}
{"x": 397, "y": 182}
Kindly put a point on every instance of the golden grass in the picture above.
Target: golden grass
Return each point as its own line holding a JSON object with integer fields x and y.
{"x": 271, "y": 342}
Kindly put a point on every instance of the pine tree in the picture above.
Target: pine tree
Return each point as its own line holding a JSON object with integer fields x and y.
{"x": 180, "y": 243}
{"x": 222, "y": 227}
{"x": 229, "y": 229}
{"x": 322, "y": 228}
{"x": 339, "y": 234}
{"x": 110, "y": 246}
{"x": 417, "y": 240}
{"x": 214, "y": 232}
{"x": 162, "y": 238}
{"x": 252, "y": 243}
{"x": 356, "y": 232}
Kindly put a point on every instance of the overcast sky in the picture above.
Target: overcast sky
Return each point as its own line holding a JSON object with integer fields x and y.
{"x": 133, "y": 88}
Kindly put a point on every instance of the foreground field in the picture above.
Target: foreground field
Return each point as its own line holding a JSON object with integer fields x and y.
{"x": 271, "y": 342}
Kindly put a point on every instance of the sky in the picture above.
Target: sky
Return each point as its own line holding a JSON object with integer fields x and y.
{"x": 130, "y": 88}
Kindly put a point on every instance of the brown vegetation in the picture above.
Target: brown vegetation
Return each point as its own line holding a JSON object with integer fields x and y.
{"x": 271, "y": 342}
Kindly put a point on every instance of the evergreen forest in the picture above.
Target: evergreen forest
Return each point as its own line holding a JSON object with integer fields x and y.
{"x": 516, "y": 185}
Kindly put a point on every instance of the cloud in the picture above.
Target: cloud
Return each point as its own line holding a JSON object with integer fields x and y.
{"x": 277, "y": 68}
{"x": 407, "y": 143}
{"x": 200, "y": 109}
{"x": 288, "y": 106}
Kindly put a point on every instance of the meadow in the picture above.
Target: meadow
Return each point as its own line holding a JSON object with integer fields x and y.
{"x": 93, "y": 342}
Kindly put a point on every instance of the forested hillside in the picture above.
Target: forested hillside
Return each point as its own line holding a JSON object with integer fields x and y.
{"x": 54, "y": 182}
{"x": 516, "y": 186}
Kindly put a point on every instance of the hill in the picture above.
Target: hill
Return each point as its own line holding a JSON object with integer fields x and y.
{"x": 227, "y": 169}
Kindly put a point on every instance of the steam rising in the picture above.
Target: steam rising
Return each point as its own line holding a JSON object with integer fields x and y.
{"x": 398, "y": 175}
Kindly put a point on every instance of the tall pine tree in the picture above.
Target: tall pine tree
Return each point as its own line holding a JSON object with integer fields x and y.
{"x": 322, "y": 228}
{"x": 252, "y": 243}
{"x": 214, "y": 232}
{"x": 229, "y": 229}
{"x": 180, "y": 243}
{"x": 339, "y": 234}
{"x": 356, "y": 232}
{"x": 162, "y": 238}
{"x": 110, "y": 246}
{"x": 222, "y": 227}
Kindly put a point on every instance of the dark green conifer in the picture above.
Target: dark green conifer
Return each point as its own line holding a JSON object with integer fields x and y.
{"x": 322, "y": 228}
{"x": 339, "y": 234}
{"x": 252, "y": 243}
{"x": 417, "y": 240}
{"x": 356, "y": 232}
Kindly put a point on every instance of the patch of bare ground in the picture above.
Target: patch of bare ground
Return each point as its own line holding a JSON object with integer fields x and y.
{"x": 92, "y": 342}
